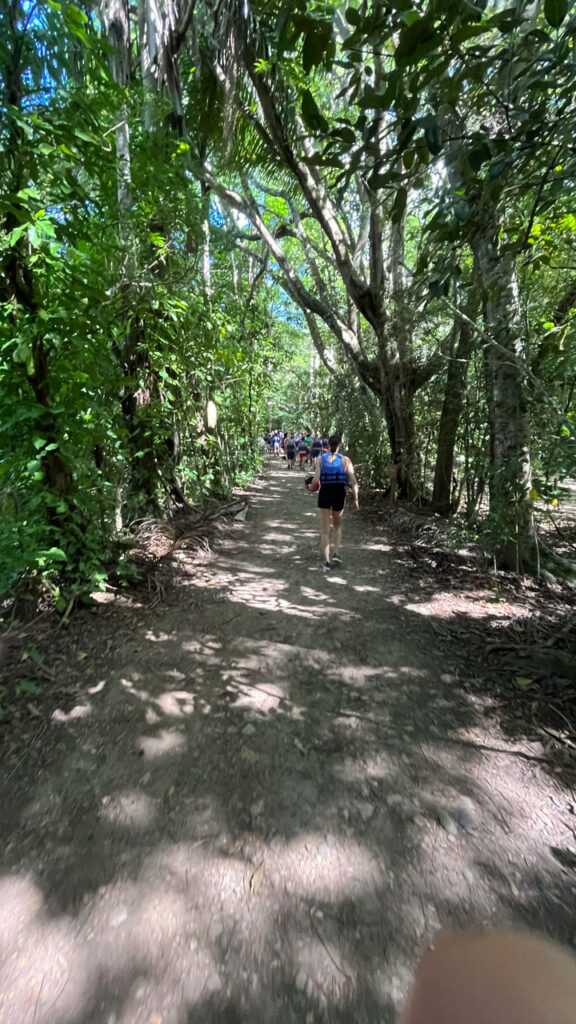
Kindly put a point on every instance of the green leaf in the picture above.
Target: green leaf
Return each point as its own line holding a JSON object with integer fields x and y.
{"x": 75, "y": 14}
{"x": 313, "y": 119}
{"x": 81, "y": 134}
{"x": 461, "y": 35}
{"x": 479, "y": 155}
{"x": 34, "y": 655}
{"x": 27, "y": 687}
{"x": 352, "y": 16}
{"x": 399, "y": 205}
{"x": 555, "y": 11}
{"x": 372, "y": 100}
{"x": 15, "y": 234}
{"x": 461, "y": 211}
{"x": 416, "y": 40}
{"x": 378, "y": 180}
{"x": 311, "y": 55}
{"x": 432, "y": 135}
{"x": 316, "y": 43}
{"x": 347, "y": 135}
{"x": 57, "y": 554}
{"x": 498, "y": 167}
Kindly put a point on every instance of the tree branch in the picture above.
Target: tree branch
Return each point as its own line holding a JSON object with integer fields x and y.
{"x": 318, "y": 343}
{"x": 317, "y": 197}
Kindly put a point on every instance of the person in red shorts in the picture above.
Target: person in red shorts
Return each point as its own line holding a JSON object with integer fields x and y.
{"x": 303, "y": 451}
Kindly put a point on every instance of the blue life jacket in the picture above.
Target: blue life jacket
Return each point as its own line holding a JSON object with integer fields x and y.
{"x": 332, "y": 469}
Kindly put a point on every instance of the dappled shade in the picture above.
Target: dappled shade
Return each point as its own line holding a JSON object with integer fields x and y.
{"x": 282, "y": 791}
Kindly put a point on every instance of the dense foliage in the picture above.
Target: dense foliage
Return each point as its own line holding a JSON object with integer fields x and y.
{"x": 128, "y": 380}
{"x": 418, "y": 182}
{"x": 351, "y": 218}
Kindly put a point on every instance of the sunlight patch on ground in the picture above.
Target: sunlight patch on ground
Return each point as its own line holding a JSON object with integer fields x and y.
{"x": 206, "y": 644}
{"x": 176, "y": 703}
{"x": 131, "y": 809}
{"x": 313, "y": 595}
{"x": 154, "y": 942}
{"x": 478, "y": 605}
{"x": 360, "y": 676}
{"x": 157, "y": 637}
{"x": 78, "y": 711}
{"x": 326, "y": 867}
{"x": 276, "y": 550}
{"x": 257, "y": 592}
{"x": 45, "y": 967}
{"x": 266, "y": 594}
{"x": 167, "y": 741}
{"x": 381, "y": 766}
{"x": 258, "y": 697}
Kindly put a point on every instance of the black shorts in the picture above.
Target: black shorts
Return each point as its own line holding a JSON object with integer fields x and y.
{"x": 332, "y": 496}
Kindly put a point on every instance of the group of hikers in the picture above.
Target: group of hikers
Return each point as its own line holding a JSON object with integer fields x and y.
{"x": 333, "y": 474}
{"x": 302, "y": 448}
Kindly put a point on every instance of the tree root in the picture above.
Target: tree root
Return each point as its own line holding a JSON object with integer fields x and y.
{"x": 548, "y": 562}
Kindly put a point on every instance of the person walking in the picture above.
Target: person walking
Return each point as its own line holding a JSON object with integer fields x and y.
{"x": 333, "y": 472}
{"x": 290, "y": 450}
{"x": 303, "y": 452}
{"x": 316, "y": 448}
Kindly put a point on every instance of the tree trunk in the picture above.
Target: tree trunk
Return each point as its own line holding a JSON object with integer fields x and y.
{"x": 398, "y": 408}
{"x": 118, "y": 21}
{"x": 451, "y": 413}
{"x": 135, "y": 397}
{"x": 206, "y": 256}
{"x": 141, "y": 496}
{"x": 511, "y": 476}
{"x": 396, "y": 355}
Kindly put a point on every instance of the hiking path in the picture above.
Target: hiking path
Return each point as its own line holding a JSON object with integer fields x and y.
{"x": 259, "y": 799}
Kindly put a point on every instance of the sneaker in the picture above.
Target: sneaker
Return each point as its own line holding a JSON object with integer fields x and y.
{"x": 336, "y": 559}
{"x": 326, "y": 567}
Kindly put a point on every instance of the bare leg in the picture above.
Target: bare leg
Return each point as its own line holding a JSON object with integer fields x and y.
{"x": 495, "y": 977}
{"x": 337, "y": 520}
{"x": 325, "y": 533}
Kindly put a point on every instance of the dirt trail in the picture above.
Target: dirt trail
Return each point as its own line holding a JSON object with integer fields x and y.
{"x": 269, "y": 795}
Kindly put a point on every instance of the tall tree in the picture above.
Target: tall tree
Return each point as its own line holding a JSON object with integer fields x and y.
{"x": 352, "y": 244}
